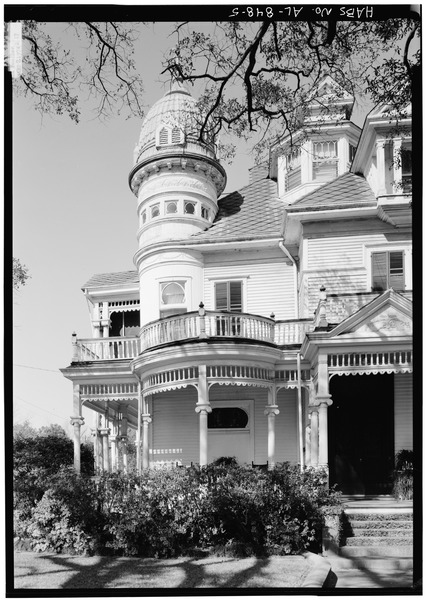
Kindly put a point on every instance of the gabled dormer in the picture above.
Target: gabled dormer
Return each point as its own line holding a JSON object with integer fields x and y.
{"x": 322, "y": 150}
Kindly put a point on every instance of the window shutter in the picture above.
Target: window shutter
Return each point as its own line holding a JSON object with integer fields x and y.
{"x": 176, "y": 135}
{"x": 396, "y": 270}
{"x": 235, "y": 296}
{"x": 379, "y": 271}
{"x": 221, "y": 290}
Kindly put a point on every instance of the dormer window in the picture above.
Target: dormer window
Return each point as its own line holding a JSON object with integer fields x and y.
{"x": 169, "y": 136}
{"x": 325, "y": 160}
{"x": 294, "y": 171}
{"x": 407, "y": 169}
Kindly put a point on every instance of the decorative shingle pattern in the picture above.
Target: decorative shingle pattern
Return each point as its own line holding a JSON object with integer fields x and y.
{"x": 346, "y": 189}
{"x": 112, "y": 279}
{"x": 254, "y": 212}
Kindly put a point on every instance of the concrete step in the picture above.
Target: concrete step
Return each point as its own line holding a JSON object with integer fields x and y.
{"x": 378, "y": 541}
{"x": 376, "y": 532}
{"x": 373, "y": 550}
{"x": 374, "y": 563}
{"x": 404, "y": 514}
{"x": 373, "y": 524}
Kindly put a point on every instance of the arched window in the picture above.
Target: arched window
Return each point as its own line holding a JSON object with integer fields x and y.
{"x": 163, "y": 137}
{"x": 173, "y": 292}
{"x": 171, "y": 207}
{"x": 190, "y": 208}
{"x": 176, "y": 135}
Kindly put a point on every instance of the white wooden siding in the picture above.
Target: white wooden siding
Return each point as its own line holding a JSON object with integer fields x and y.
{"x": 403, "y": 398}
{"x": 340, "y": 251}
{"x": 270, "y": 286}
{"x": 336, "y": 282}
{"x": 175, "y": 425}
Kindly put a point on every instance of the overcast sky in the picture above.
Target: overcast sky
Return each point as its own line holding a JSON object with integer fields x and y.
{"x": 74, "y": 215}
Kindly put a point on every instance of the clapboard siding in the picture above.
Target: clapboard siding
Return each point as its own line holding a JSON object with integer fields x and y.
{"x": 335, "y": 282}
{"x": 270, "y": 286}
{"x": 175, "y": 425}
{"x": 340, "y": 251}
{"x": 403, "y": 395}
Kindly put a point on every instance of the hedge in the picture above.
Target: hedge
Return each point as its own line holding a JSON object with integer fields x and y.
{"x": 166, "y": 513}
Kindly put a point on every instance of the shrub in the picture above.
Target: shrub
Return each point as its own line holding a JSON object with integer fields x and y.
{"x": 165, "y": 513}
{"x": 66, "y": 519}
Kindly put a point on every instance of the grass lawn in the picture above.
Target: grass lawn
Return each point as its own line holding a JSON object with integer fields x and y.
{"x": 60, "y": 571}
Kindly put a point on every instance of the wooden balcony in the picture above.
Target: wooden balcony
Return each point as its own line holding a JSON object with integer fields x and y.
{"x": 193, "y": 325}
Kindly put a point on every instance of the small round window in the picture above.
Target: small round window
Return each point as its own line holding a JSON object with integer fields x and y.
{"x": 171, "y": 207}
{"x": 173, "y": 293}
{"x": 227, "y": 418}
{"x": 189, "y": 208}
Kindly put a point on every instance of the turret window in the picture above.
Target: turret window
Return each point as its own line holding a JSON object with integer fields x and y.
{"x": 324, "y": 160}
{"x": 205, "y": 213}
{"x": 155, "y": 211}
{"x": 143, "y": 217}
{"x": 189, "y": 208}
{"x": 171, "y": 207}
{"x": 172, "y": 298}
{"x": 163, "y": 137}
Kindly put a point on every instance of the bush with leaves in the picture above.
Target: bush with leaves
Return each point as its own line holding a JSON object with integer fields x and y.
{"x": 67, "y": 518}
{"x": 404, "y": 475}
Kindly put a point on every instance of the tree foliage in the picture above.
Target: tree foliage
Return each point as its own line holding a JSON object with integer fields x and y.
{"x": 20, "y": 274}
{"x": 59, "y": 79}
{"x": 260, "y": 76}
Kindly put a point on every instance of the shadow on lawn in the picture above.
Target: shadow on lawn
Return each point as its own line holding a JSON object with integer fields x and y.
{"x": 129, "y": 573}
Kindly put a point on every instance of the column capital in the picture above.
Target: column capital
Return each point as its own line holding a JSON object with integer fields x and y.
{"x": 206, "y": 408}
{"x": 146, "y": 418}
{"x": 321, "y": 400}
{"x": 77, "y": 420}
{"x": 104, "y": 431}
{"x": 271, "y": 409}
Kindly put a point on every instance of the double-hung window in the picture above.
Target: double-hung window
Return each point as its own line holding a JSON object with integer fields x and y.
{"x": 387, "y": 270}
{"x": 228, "y": 295}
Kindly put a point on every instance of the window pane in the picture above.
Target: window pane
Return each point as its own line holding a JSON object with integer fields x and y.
{"x": 235, "y": 293}
{"x": 324, "y": 171}
{"x": 396, "y": 270}
{"x": 221, "y": 296}
{"x": 189, "y": 208}
{"x": 379, "y": 271}
{"x": 173, "y": 292}
{"x": 171, "y": 207}
{"x": 227, "y": 418}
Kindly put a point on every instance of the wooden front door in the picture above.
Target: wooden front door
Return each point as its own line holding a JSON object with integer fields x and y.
{"x": 361, "y": 433}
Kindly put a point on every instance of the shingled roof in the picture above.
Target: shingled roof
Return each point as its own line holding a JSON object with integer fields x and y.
{"x": 112, "y": 279}
{"x": 254, "y": 212}
{"x": 347, "y": 190}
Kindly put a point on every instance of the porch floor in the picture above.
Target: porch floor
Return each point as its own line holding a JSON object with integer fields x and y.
{"x": 376, "y": 503}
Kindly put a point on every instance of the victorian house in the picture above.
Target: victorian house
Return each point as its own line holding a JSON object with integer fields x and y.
{"x": 271, "y": 324}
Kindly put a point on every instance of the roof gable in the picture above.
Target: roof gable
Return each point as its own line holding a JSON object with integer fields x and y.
{"x": 389, "y": 315}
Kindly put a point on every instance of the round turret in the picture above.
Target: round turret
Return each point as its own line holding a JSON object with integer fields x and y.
{"x": 177, "y": 177}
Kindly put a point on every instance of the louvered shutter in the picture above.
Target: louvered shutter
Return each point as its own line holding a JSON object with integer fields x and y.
{"x": 379, "y": 271}
{"x": 176, "y": 135}
{"x": 164, "y": 137}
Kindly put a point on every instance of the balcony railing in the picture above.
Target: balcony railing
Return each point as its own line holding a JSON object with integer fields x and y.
{"x": 193, "y": 325}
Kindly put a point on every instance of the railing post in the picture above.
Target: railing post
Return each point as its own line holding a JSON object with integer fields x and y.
{"x": 74, "y": 348}
{"x": 202, "y": 321}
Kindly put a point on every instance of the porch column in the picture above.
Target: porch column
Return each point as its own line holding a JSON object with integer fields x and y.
{"x": 203, "y": 408}
{"x": 77, "y": 421}
{"x": 138, "y": 431}
{"x": 123, "y": 437}
{"x": 271, "y": 410}
{"x": 114, "y": 448}
{"x": 314, "y": 436}
{"x": 308, "y": 445}
{"x": 146, "y": 420}
{"x": 323, "y": 401}
{"x": 105, "y": 431}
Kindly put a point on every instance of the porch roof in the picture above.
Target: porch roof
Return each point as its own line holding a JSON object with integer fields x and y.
{"x": 101, "y": 280}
